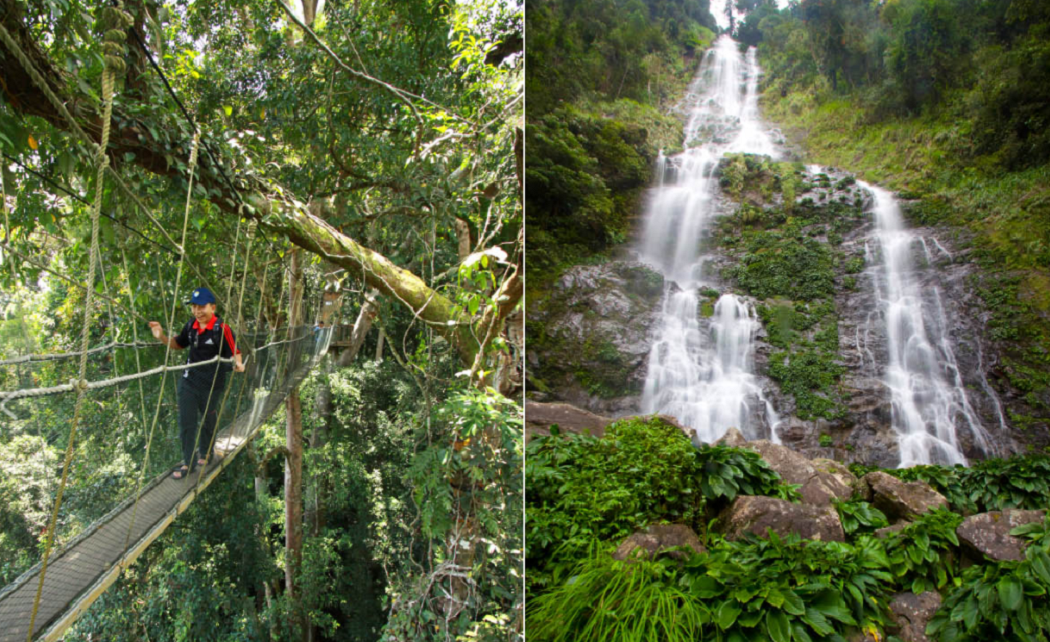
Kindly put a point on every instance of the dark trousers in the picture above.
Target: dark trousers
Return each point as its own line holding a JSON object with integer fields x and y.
{"x": 196, "y": 413}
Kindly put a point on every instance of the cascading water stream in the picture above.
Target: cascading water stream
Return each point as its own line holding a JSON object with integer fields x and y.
{"x": 930, "y": 406}
{"x": 704, "y": 377}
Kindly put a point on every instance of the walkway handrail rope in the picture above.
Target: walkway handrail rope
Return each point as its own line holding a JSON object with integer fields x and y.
{"x": 117, "y": 18}
{"x": 56, "y": 356}
{"x": 171, "y": 328}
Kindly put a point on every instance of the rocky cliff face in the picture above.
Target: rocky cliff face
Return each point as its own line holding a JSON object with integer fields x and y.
{"x": 797, "y": 241}
{"x": 589, "y": 337}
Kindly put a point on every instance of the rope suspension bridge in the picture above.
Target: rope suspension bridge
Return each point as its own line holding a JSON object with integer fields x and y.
{"x": 125, "y": 397}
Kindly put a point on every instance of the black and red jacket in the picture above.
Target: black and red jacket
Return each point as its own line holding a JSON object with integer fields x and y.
{"x": 205, "y": 343}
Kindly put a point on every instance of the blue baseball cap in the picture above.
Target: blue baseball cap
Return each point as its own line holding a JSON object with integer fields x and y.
{"x": 201, "y": 296}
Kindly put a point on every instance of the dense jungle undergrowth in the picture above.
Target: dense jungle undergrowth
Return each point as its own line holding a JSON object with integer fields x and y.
{"x": 587, "y": 494}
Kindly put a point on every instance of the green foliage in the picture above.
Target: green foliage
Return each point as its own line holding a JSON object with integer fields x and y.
{"x": 584, "y": 173}
{"x": 922, "y": 554}
{"x": 858, "y": 516}
{"x": 583, "y": 489}
{"x": 784, "y": 263}
{"x": 1001, "y": 601}
{"x": 769, "y": 589}
{"x": 727, "y": 472}
{"x": 812, "y": 377}
{"x": 615, "y": 601}
{"x": 470, "y": 478}
{"x": 993, "y": 484}
{"x": 825, "y": 441}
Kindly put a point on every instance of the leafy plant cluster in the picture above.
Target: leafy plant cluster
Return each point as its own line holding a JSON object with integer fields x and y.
{"x": 776, "y": 589}
{"x": 1022, "y": 482}
{"x": 583, "y": 489}
{"x": 922, "y": 554}
{"x": 1002, "y": 601}
{"x": 859, "y": 516}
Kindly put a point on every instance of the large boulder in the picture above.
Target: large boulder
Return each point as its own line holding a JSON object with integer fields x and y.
{"x": 989, "y": 533}
{"x": 658, "y": 538}
{"x": 733, "y": 437}
{"x": 842, "y": 474}
{"x": 902, "y": 500}
{"x": 539, "y": 417}
{"x": 749, "y": 514}
{"x": 910, "y": 613}
{"x": 819, "y": 488}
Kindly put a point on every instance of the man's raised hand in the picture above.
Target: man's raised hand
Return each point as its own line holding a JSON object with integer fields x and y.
{"x": 155, "y": 328}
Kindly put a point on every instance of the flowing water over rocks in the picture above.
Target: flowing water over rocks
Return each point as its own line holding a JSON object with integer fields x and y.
{"x": 930, "y": 403}
{"x": 702, "y": 373}
{"x": 784, "y": 300}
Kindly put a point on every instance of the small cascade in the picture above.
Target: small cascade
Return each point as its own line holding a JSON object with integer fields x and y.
{"x": 700, "y": 365}
{"x": 930, "y": 404}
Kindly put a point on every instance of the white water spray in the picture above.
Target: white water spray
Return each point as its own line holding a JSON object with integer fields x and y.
{"x": 930, "y": 406}
{"x": 703, "y": 376}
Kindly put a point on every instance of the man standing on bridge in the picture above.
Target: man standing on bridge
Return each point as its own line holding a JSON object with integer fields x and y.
{"x": 200, "y": 388}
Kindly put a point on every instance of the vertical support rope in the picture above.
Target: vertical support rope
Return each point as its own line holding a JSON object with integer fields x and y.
{"x": 102, "y": 161}
{"x": 135, "y": 335}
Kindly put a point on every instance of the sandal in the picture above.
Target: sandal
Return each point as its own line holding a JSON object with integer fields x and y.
{"x": 181, "y": 472}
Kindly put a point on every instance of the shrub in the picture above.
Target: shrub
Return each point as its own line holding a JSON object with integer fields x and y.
{"x": 1003, "y": 601}
{"x": 584, "y": 490}
{"x": 860, "y": 516}
{"x": 922, "y": 555}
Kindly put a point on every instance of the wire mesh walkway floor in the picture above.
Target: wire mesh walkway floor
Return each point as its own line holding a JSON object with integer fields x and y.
{"x": 86, "y": 566}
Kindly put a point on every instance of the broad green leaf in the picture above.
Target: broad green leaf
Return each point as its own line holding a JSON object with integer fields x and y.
{"x": 777, "y": 626}
{"x": 726, "y": 614}
{"x": 1011, "y": 593}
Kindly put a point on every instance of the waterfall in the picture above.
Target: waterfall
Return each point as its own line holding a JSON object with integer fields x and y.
{"x": 701, "y": 372}
{"x": 930, "y": 405}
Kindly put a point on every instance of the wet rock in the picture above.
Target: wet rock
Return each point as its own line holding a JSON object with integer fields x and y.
{"x": 819, "y": 488}
{"x": 910, "y": 613}
{"x": 842, "y": 474}
{"x": 590, "y": 335}
{"x": 657, "y": 539}
{"x": 748, "y": 514}
{"x": 539, "y": 417}
{"x": 733, "y": 437}
{"x": 989, "y": 533}
{"x": 902, "y": 500}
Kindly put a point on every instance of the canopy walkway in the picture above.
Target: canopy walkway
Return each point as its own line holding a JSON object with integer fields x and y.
{"x": 81, "y": 569}
{"x": 112, "y": 402}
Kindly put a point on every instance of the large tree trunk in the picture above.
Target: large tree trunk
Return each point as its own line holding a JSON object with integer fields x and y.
{"x": 279, "y": 213}
{"x": 293, "y": 467}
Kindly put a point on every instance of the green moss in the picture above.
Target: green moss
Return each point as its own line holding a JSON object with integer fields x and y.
{"x": 707, "y": 309}
{"x": 811, "y": 376}
{"x": 781, "y": 263}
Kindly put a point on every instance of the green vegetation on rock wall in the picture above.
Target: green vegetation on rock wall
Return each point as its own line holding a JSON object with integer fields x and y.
{"x": 784, "y": 238}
